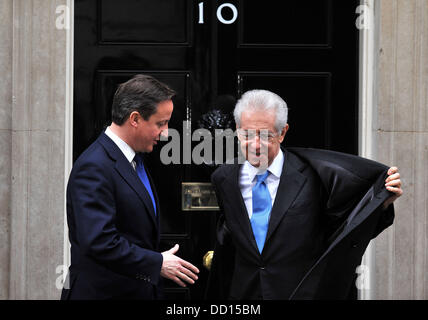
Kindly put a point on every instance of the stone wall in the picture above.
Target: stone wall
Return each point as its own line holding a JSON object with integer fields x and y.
{"x": 5, "y": 142}
{"x": 401, "y": 138}
{"x": 33, "y": 65}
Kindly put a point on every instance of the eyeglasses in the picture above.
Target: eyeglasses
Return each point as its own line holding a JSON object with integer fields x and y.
{"x": 264, "y": 135}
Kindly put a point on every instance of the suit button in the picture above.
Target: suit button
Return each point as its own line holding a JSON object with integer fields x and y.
{"x": 355, "y": 245}
{"x": 262, "y": 268}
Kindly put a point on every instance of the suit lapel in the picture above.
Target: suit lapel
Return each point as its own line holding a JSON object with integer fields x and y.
{"x": 125, "y": 169}
{"x": 290, "y": 184}
{"x": 239, "y": 210}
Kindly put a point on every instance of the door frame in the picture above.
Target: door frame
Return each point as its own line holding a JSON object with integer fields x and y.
{"x": 68, "y": 136}
{"x": 366, "y": 101}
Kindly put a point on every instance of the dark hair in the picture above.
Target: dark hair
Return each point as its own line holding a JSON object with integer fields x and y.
{"x": 142, "y": 93}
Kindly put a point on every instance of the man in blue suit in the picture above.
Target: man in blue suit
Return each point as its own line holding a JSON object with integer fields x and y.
{"x": 112, "y": 206}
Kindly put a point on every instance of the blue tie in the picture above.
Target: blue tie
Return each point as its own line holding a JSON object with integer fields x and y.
{"x": 143, "y": 177}
{"x": 261, "y": 209}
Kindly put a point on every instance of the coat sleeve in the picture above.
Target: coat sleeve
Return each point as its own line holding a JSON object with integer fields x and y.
{"x": 345, "y": 179}
{"x": 93, "y": 206}
{"x": 222, "y": 266}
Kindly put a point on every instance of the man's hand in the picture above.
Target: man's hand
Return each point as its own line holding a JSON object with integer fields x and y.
{"x": 177, "y": 269}
{"x": 393, "y": 184}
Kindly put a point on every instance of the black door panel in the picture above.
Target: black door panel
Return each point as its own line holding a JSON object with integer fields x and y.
{"x": 306, "y": 51}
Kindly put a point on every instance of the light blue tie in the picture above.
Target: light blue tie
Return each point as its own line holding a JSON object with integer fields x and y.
{"x": 141, "y": 171}
{"x": 262, "y": 205}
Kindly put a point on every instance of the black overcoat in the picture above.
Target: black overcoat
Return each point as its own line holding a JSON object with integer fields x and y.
{"x": 327, "y": 209}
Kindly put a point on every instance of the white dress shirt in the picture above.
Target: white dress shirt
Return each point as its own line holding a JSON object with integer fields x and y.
{"x": 247, "y": 180}
{"x": 123, "y": 146}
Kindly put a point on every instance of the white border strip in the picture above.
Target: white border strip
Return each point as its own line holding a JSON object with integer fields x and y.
{"x": 68, "y": 143}
{"x": 367, "y": 74}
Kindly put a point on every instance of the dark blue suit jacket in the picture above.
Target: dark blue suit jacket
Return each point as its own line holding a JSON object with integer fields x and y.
{"x": 113, "y": 230}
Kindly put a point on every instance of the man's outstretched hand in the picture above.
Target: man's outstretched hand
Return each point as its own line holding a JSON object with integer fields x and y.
{"x": 177, "y": 269}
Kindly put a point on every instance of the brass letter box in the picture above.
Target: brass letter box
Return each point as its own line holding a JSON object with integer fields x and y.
{"x": 197, "y": 196}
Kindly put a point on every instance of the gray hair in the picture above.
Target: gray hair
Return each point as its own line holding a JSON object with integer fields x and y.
{"x": 262, "y": 100}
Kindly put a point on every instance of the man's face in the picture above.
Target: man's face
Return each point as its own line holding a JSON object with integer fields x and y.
{"x": 148, "y": 132}
{"x": 259, "y": 139}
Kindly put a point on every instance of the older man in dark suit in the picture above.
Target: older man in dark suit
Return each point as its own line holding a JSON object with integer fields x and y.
{"x": 295, "y": 222}
{"x": 112, "y": 207}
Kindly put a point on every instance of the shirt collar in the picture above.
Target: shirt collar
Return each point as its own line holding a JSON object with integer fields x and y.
{"x": 275, "y": 167}
{"x": 123, "y": 146}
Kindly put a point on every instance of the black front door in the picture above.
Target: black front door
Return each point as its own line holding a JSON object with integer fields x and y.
{"x": 211, "y": 52}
